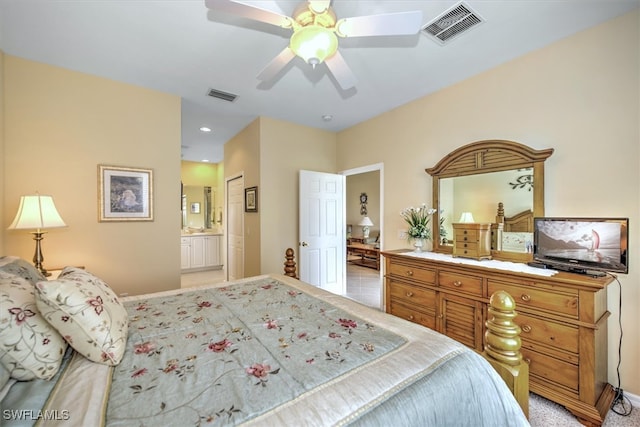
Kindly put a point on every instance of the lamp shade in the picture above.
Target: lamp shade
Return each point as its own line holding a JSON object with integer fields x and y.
{"x": 466, "y": 217}
{"x": 366, "y": 222}
{"x": 37, "y": 212}
{"x": 314, "y": 43}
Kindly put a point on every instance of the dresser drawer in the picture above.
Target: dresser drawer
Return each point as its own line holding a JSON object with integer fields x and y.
{"x": 185, "y": 240}
{"x": 547, "y": 332}
{"x": 565, "y": 304}
{"x": 467, "y": 250}
{"x": 460, "y": 282}
{"x": 551, "y": 369}
{"x": 467, "y": 235}
{"x": 413, "y": 315}
{"x": 412, "y": 295}
{"x": 419, "y": 274}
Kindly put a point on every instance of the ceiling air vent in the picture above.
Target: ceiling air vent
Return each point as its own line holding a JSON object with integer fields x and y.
{"x": 452, "y": 23}
{"x": 222, "y": 95}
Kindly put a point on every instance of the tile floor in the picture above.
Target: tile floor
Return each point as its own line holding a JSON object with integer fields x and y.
{"x": 363, "y": 284}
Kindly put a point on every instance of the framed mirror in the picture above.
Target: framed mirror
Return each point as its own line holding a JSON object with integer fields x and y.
{"x": 197, "y": 203}
{"x": 495, "y": 181}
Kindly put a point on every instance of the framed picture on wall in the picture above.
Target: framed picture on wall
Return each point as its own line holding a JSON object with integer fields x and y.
{"x": 125, "y": 194}
{"x": 195, "y": 208}
{"x": 251, "y": 199}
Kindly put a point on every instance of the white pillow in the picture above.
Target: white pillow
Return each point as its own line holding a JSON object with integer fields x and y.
{"x": 87, "y": 313}
{"x": 29, "y": 346}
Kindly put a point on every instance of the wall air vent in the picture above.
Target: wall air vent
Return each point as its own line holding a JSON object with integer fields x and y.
{"x": 452, "y": 23}
{"x": 222, "y": 95}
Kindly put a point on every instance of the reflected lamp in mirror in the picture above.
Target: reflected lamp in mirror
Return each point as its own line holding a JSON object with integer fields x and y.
{"x": 466, "y": 217}
{"x": 37, "y": 212}
{"x": 365, "y": 223}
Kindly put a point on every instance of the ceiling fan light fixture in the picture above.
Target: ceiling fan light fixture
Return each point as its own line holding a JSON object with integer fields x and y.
{"x": 314, "y": 44}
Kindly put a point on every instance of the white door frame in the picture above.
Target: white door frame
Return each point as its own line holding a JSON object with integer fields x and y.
{"x": 356, "y": 171}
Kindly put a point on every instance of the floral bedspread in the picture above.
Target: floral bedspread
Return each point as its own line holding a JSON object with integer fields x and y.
{"x": 226, "y": 355}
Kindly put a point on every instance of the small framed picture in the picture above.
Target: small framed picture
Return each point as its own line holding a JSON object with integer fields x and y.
{"x": 251, "y": 199}
{"x": 125, "y": 194}
{"x": 195, "y": 208}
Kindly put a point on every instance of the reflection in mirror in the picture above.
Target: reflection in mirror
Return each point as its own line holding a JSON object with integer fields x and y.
{"x": 201, "y": 218}
{"x": 480, "y": 195}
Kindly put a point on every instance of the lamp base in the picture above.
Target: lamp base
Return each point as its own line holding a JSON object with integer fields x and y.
{"x": 37, "y": 256}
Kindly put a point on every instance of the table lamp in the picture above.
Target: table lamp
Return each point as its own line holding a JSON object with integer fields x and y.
{"x": 466, "y": 217}
{"x": 365, "y": 223}
{"x": 37, "y": 212}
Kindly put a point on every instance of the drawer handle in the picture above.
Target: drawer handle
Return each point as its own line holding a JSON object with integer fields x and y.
{"x": 409, "y": 272}
{"x": 527, "y": 360}
{"x": 457, "y": 283}
{"x": 409, "y": 294}
{"x": 465, "y": 238}
{"x": 526, "y": 328}
{"x": 410, "y": 317}
{"x": 525, "y": 297}
{"x": 465, "y": 245}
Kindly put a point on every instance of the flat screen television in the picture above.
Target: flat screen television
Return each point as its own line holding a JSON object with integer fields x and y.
{"x": 582, "y": 245}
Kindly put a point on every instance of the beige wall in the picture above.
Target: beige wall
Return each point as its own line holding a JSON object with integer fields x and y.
{"x": 197, "y": 173}
{"x": 270, "y": 153}
{"x": 285, "y": 149}
{"x": 59, "y": 125}
{"x": 242, "y": 157}
{"x": 579, "y": 96}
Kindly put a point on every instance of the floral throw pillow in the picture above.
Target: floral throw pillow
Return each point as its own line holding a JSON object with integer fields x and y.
{"x": 20, "y": 267}
{"x": 29, "y": 346}
{"x": 87, "y": 313}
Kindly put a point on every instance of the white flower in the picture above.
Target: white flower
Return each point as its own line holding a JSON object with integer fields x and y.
{"x": 418, "y": 220}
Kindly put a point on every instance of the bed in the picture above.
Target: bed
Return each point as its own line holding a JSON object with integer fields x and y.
{"x": 267, "y": 350}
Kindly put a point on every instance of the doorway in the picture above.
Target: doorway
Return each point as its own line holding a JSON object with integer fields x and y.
{"x": 364, "y": 279}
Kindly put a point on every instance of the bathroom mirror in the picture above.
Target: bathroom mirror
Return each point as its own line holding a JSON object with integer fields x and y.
{"x": 477, "y": 177}
{"x": 197, "y": 207}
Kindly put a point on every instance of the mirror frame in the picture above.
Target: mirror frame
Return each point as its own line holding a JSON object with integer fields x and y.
{"x": 486, "y": 156}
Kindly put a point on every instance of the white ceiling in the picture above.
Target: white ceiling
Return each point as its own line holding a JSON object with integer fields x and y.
{"x": 181, "y": 47}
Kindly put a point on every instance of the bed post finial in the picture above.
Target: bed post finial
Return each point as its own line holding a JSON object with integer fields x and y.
{"x": 502, "y": 348}
{"x": 500, "y": 213}
{"x": 503, "y": 335}
{"x": 290, "y": 263}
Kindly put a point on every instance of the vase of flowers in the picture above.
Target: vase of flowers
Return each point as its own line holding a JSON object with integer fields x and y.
{"x": 418, "y": 220}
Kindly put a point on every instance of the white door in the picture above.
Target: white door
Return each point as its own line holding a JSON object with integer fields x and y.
{"x": 235, "y": 229}
{"x": 321, "y": 249}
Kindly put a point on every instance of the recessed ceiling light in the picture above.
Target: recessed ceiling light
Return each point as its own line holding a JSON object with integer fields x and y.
{"x": 205, "y": 129}
{"x": 205, "y": 160}
{"x": 327, "y": 117}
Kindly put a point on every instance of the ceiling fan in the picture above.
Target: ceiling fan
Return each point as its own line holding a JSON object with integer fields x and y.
{"x": 316, "y": 30}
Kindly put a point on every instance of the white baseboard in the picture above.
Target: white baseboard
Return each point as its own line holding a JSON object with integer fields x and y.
{"x": 633, "y": 398}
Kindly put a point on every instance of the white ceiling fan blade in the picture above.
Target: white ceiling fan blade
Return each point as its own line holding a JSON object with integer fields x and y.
{"x": 341, "y": 71}
{"x": 386, "y": 24}
{"x": 276, "y": 64}
{"x": 319, "y": 6}
{"x": 249, "y": 11}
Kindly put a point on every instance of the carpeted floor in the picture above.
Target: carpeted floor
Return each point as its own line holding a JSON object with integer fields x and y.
{"x": 544, "y": 413}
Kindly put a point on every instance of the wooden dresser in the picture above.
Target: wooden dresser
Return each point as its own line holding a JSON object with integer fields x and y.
{"x": 563, "y": 320}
